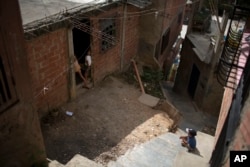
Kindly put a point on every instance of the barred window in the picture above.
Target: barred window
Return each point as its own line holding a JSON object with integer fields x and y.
{"x": 8, "y": 95}
{"x": 108, "y": 28}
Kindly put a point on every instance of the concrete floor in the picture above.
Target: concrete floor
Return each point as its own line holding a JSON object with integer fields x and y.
{"x": 192, "y": 116}
{"x": 166, "y": 150}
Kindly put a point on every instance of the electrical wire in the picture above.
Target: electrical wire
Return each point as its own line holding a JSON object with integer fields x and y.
{"x": 48, "y": 86}
{"x": 133, "y": 14}
{"x": 92, "y": 31}
{"x": 98, "y": 34}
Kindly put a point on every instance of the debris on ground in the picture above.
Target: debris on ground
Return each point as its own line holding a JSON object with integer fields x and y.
{"x": 107, "y": 121}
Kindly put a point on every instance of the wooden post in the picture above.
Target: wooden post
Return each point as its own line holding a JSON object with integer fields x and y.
{"x": 138, "y": 76}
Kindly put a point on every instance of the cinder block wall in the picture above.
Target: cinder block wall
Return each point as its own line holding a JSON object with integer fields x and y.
{"x": 48, "y": 65}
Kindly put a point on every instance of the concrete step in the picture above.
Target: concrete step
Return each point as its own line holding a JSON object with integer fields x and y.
{"x": 148, "y": 100}
{"x": 55, "y": 163}
{"x": 80, "y": 161}
{"x": 160, "y": 152}
{"x": 201, "y": 156}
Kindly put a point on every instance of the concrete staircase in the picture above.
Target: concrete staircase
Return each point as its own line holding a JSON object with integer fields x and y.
{"x": 158, "y": 152}
{"x": 76, "y": 161}
{"x": 162, "y": 151}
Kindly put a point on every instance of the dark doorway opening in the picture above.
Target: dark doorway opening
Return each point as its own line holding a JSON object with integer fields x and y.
{"x": 81, "y": 42}
{"x": 194, "y": 78}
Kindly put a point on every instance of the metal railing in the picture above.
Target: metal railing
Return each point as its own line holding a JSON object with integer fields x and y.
{"x": 230, "y": 66}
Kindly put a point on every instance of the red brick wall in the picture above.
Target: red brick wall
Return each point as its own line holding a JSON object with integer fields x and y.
{"x": 103, "y": 63}
{"x": 131, "y": 36}
{"x": 48, "y": 58}
{"x": 21, "y": 141}
{"x": 109, "y": 61}
{"x": 48, "y": 63}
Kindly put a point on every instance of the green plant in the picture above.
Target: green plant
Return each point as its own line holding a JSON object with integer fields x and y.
{"x": 151, "y": 81}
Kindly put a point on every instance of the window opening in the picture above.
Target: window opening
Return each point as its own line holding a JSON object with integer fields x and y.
{"x": 8, "y": 96}
{"x": 165, "y": 41}
{"x": 179, "y": 18}
{"x": 157, "y": 49}
{"x": 108, "y": 27}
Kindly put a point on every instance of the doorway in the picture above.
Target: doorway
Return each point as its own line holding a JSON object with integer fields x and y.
{"x": 81, "y": 42}
{"x": 194, "y": 78}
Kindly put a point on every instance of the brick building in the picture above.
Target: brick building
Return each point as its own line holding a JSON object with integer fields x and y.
{"x": 114, "y": 31}
{"x": 51, "y": 46}
{"x": 21, "y": 141}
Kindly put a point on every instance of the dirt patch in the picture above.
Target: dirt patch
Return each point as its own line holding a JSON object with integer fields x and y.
{"x": 107, "y": 120}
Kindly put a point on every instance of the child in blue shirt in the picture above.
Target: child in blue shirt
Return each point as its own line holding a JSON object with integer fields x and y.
{"x": 189, "y": 141}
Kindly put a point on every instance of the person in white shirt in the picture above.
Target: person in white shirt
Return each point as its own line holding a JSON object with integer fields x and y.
{"x": 88, "y": 62}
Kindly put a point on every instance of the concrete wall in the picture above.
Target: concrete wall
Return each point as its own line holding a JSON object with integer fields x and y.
{"x": 208, "y": 93}
{"x": 21, "y": 142}
{"x": 48, "y": 60}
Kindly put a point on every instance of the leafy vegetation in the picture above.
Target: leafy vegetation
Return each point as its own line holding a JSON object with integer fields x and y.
{"x": 150, "y": 79}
